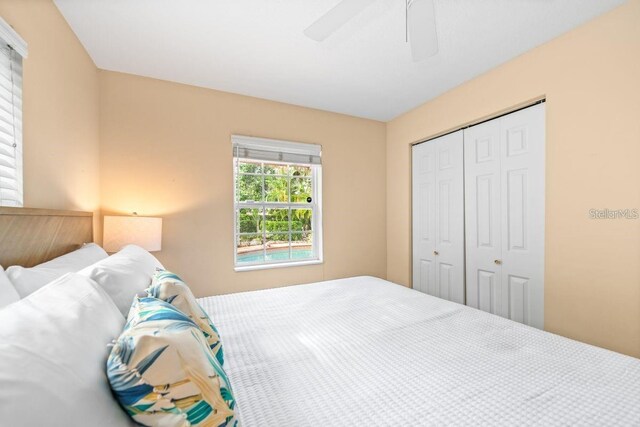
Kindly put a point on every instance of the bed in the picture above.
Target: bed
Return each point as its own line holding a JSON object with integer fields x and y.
{"x": 364, "y": 351}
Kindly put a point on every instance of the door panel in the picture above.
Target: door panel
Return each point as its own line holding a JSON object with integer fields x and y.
{"x": 486, "y": 290}
{"x": 445, "y": 280}
{"x": 516, "y": 195}
{"x": 444, "y": 212}
{"x": 425, "y": 199}
{"x": 438, "y": 217}
{"x": 485, "y": 189}
{"x": 519, "y": 299}
{"x": 426, "y": 276}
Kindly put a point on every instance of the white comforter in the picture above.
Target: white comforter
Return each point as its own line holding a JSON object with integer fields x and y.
{"x": 365, "y": 352}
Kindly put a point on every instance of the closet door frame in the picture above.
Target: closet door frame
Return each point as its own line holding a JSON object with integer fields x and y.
{"x": 497, "y": 278}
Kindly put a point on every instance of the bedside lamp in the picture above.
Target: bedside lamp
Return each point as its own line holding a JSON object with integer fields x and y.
{"x": 142, "y": 231}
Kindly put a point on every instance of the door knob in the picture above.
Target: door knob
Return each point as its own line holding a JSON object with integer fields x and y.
{"x": 497, "y": 261}
{"x": 436, "y": 253}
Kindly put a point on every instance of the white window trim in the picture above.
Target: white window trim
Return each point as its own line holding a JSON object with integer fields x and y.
{"x": 13, "y": 39}
{"x": 282, "y": 264}
{"x": 317, "y": 217}
{"x": 16, "y": 49}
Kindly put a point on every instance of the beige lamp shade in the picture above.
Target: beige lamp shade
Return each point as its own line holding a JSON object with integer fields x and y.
{"x": 142, "y": 231}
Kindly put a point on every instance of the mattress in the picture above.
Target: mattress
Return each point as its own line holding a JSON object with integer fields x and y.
{"x": 365, "y": 352}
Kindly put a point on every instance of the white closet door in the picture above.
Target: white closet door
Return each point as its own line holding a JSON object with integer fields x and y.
{"x": 438, "y": 217}
{"x": 482, "y": 216}
{"x": 504, "y": 191}
{"x": 522, "y": 204}
{"x": 424, "y": 213}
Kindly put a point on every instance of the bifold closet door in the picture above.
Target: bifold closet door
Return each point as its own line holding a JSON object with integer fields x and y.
{"x": 438, "y": 217}
{"x": 504, "y": 215}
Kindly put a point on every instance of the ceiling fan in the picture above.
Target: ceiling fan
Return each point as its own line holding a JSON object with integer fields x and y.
{"x": 420, "y": 24}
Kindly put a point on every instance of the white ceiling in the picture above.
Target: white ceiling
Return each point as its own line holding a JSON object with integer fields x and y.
{"x": 257, "y": 47}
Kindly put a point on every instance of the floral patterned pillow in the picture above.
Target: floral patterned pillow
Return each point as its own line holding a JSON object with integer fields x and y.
{"x": 163, "y": 372}
{"x": 168, "y": 287}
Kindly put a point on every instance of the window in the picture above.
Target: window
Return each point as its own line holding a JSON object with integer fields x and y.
{"x": 12, "y": 50}
{"x": 278, "y": 203}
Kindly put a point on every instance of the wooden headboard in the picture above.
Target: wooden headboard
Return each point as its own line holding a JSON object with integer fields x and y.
{"x": 32, "y": 236}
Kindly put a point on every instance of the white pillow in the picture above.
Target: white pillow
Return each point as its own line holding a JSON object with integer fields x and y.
{"x": 124, "y": 274}
{"x": 8, "y": 293}
{"x": 28, "y": 280}
{"x": 53, "y": 348}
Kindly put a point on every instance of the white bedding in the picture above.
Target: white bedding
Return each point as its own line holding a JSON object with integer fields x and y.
{"x": 363, "y": 351}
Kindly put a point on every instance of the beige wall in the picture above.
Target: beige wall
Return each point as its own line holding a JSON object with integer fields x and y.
{"x": 60, "y": 113}
{"x": 166, "y": 150}
{"x": 591, "y": 79}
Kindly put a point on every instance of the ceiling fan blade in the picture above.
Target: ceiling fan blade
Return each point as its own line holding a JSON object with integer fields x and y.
{"x": 421, "y": 20}
{"x": 335, "y": 18}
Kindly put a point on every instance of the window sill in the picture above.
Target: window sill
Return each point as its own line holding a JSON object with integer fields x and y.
{"x": 277, "y": 265}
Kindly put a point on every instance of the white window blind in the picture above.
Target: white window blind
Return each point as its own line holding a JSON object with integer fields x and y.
{"x": 12, "y": 49}
{"x": 270, "y": 150}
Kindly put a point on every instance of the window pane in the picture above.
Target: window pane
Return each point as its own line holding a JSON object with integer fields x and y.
{"x": 301, "y": 219}
{"x": 249, "y": 188}
{"x": 250, "y": 220}
{"x": 277, "y": 247}
{"x": 276, "y": 188}
{"x": 277, "y": 220}
{"x": 250, "y": 249}
{"x": 276, "y": 169}
{"x": 249, "y": 167}
{"x": 300, "y": 171}
{"x": 301, "y": 246}
{"x": 282, "y": 231}
{"x": 300, "y": 190}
